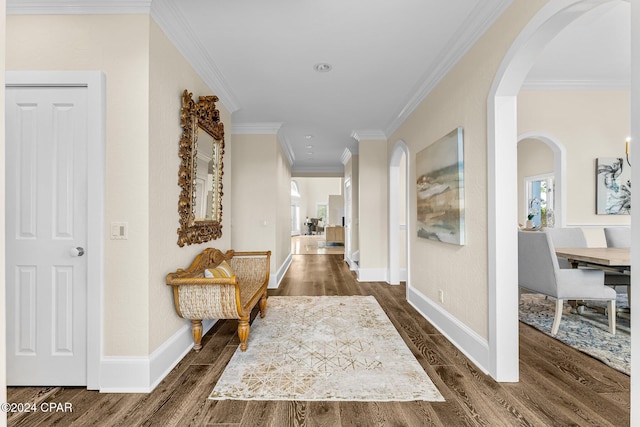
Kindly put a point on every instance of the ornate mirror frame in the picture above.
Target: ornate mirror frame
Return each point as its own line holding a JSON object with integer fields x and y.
{"x": 195, "y": 116}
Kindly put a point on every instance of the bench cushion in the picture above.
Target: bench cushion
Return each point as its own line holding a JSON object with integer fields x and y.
{"x": 222, "y": 270}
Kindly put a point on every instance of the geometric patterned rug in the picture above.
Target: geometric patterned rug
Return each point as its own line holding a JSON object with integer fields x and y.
{"x": 587, "y": 332}
{"x": 328, "y": 348}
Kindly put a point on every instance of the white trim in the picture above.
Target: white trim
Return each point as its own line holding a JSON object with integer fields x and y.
{"x": 264, "y": 128}
{"x": 142, "y": 374}
{"x": 346, "y": 155}
{"x": 175, "y": 26}
{"x": 635, "y": 213}
{"x": 397, "y": 225}
{"x": 372, "y": 274}
{"x": 337, "y": 171}
{"x": 120, "y": 374}
{"x": 475, "y": 25}
{"x": 576, "y": 85}
{"x": 465, "y": 339}
{"x": 286, "y": 147}
{"x": 96, "y": 113}
{"x": 274, "y": 280}
{"x": 78, "y": 7}
{"x": 552, "y": 18}
{"x": 353, "y": 266}
{"x": 368, "y": 135}
{"x": 172, "y": 351}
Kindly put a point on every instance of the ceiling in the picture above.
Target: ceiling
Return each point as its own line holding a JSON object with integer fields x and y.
{"x": 258, "y": 57}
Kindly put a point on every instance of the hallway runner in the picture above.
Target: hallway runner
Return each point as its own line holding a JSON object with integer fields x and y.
{"x": 325, "y": 348}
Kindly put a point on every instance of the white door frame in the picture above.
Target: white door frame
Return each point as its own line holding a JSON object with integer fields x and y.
{"x": 502, "y": 172}
{"x": 95, "y": 83}
{"x": 399, "y": 149}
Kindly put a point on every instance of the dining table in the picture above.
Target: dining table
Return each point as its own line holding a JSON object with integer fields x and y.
{"x": 616, "y": 260}
{"x": 607, "y": 259}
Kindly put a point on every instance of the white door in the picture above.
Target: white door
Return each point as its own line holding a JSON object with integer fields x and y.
{"x": 46, "y": 229}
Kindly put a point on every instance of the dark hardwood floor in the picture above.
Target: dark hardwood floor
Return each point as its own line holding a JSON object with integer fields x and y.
{"x": 558, "y": 385}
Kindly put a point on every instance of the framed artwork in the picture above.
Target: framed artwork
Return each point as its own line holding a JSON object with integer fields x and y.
{"x": 613, "y": 186}
{"x": 440, "y": 189}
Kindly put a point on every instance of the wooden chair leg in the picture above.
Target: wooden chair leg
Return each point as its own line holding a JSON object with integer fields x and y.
{"x": 558, "y": 316}
{"x": 612, "y": 316}
{"x": 263, "y": 304}
{"x": 243, "y": 333}
{"x": 196, "y": 331}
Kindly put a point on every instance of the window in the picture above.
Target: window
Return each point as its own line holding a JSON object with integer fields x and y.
{"x": 295, "y": 219}
{"x": 321, "y": 211}
{"x": 295, "y": 191}
{"x": 541, "y": 199}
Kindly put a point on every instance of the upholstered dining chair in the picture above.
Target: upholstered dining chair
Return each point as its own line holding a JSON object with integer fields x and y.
{"x": 567, "y": 237}
{"x": 617, "y": 237}
{"x": 538, "y": 271}
{"x": 573, "y": 237}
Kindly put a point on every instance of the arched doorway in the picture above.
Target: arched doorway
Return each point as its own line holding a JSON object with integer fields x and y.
{"x": 559, "y": 170}
{"x": 502, "y": 165}
{"x": 398, "y": 213}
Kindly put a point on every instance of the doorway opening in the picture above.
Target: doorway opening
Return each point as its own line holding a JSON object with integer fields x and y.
{"x": 502, "y": 173}
{"x": 398, "y": 214}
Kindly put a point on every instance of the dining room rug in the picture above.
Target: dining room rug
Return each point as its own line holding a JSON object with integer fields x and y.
{"x": 329, "y": 348}
{"x": 587, "y": 332}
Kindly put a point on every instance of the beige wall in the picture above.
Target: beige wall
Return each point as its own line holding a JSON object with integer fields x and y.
{"x": 373, "y": 204}
{"x": 460, "y": 99}
{"x": 261, "y": 176}
{"x": 118, "y": 46}
{"x": 169, "y": 75}
{"x": 283, "y": 207}
{"x": 314, "y": 191}
{"x": 145, "y": 77}
{"x": 3, "y": 341}
{"x": 589, "y": 124}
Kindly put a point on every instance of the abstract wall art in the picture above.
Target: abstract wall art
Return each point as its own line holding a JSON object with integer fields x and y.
{"x": 440, "y": 189}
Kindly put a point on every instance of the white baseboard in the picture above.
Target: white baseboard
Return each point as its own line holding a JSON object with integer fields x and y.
{"x": 464, "y": 338}
{"x": 274, "y": 280}
{"x": 372, "y": 275}
{"x": 403, "y": 275}
{"x": 141, "y": 374}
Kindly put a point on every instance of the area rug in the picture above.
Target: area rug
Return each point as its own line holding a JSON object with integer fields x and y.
{"x": 587, "y": 332}
{"x": 325, "y": 348}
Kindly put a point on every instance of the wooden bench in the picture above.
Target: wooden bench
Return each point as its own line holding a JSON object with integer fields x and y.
{"x": 198, "y": 297}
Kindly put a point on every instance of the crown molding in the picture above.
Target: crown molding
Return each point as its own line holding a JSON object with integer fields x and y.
{"x": 260, "y": 128}
{"x": 317, "y": 171}
{"x": 476, "y": 24}
{"x": 368, "y": 135}
{"x": 346, "y": 155}
{"x": 576, "y": 85}
{"x": 174, "y": 25}
{"x": 287, "y": 148}
{"x": 166, "y": 15}
{"x": 78, "y": 7}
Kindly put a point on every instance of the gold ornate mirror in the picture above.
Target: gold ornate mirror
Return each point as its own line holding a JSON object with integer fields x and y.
{"x": 201, "y": 168}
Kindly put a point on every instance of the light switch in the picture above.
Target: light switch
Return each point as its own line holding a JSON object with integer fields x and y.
{"x": 119, "y": 231}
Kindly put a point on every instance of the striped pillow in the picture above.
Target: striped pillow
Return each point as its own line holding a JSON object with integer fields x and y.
{"x": 222, "y": 270}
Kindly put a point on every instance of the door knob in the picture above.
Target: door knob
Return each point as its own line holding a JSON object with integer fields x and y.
{"x": 79, "y": 251}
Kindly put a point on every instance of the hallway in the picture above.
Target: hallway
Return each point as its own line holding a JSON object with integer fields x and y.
{"x": 558, "y": 385}
{"x": 313, "y": 245}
